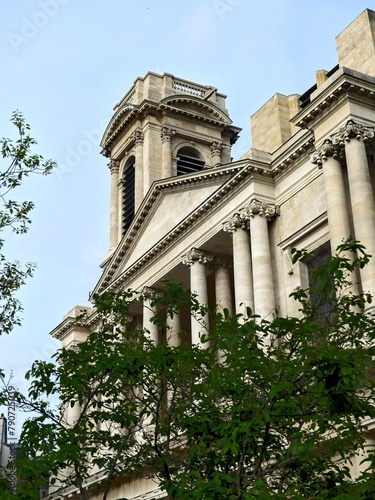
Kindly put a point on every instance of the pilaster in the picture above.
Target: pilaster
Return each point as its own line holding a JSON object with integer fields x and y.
{"x": 138, "y": 137}
{"x": 166, "y": 136}
{"x": 114, "y": 208}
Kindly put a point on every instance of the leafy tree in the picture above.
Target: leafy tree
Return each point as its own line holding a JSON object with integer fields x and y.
{"x": 20, "y": 162}
{"x": 273, "y": 409}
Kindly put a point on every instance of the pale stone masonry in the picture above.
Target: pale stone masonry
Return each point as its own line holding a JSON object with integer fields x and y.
{"x": 356, "y": 44}
{"x": 181, "y": 208}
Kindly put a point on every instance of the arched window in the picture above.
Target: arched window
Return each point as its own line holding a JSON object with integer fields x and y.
{"x": 189, "y": 160}
{"x": 128, "y": 194}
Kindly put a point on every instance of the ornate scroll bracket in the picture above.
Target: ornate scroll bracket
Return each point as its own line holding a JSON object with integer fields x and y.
{"x": 196, "y": 255}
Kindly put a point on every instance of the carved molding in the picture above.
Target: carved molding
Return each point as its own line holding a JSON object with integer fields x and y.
{"x": 350, "y": 131}
{"x": 166, "y": 134}
{"x": 234, "y": 223}
{"x": 327, "y": 149}
{"x": 261, "y": 208}
{"x": 196, "y": 255}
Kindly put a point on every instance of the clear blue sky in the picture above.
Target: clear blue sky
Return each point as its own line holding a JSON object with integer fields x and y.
{"x": 65, "y": 63}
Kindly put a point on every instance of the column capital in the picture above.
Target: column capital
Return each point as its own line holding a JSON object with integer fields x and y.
{"x": 352, "y": 130}
{"x": 257, "y": 207}
{"x": 234, "y": 223}
{"x": 216, "y": 148}
{"x": 137, "y": 136}
{"x": 196, "y": 255}
{"x": 324, "y": 151}
{"x": 166, "y": 134}
{"x": 114, "y": 166}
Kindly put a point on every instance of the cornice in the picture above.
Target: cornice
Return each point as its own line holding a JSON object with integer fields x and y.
{"x": 130, "y": 112}
{"x": 219, "y": 116}
{"x": 70, "y": 324}
{"x": 291, "y": 156}
{"x": 65, "y": 327}
{"x": 347, "y": 85}
{"x": 125, "y": 115}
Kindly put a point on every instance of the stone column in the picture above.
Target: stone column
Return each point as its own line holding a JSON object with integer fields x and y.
{"x": 73, "y": 413}
{"x": 223, "y": 284}
{"x": 197, "y": 260}
{"x": 137, "y": 136}
{"x": 149, "y": 311}
{"x": 243, "y": 278}
{"x": 166, "y": 139}
{"x": 353, "y": 135}
{"x": 327, "y": 156}
{"x": 216, "y": 149}
{"x": 173, "y": 330}
{"x": 259, "y": 214}
{"x": 113, "y": 221}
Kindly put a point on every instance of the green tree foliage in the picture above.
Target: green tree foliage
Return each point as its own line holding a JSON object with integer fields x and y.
{"x": 272, "y": 410}
{"x": 19, "y": 162}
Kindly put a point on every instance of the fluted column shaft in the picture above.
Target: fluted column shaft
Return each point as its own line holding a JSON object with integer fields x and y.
{"x": 197, "y": 259}
{"x": 114, "y": 208}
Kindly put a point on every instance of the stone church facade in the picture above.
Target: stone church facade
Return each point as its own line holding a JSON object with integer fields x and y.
{"x": 182, "y": 208}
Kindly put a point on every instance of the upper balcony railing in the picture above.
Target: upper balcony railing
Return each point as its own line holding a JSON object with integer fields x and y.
{"x": 186, "y": 88}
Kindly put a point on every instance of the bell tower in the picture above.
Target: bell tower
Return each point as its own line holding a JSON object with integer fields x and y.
{"x": 163, "y": 127}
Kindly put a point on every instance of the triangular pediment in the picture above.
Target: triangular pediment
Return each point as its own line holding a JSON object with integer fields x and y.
{"x": 168, "y": 210}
